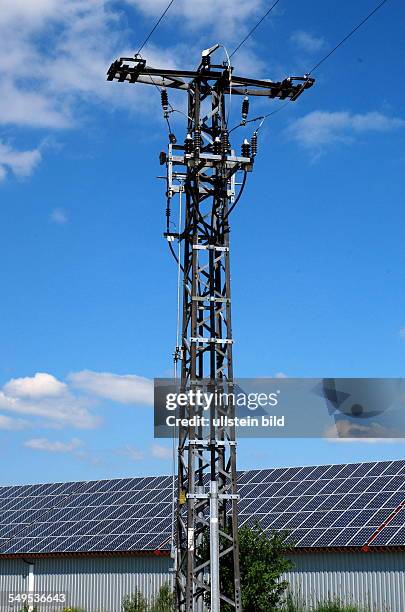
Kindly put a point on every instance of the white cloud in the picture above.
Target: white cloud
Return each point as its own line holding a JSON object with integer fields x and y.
{"x": 20, "y": 163}
{"x": 38, "y": 386}
{"x": 59, "y": 216}
{"x": 280, "y": 375}
{"x": 234, "y": 15}
{"x": 320, "y": 128}
{"x": 46, "y": 397}
{"x": 161, "y": 452}
{"x": 53, "y": 446}
{"x": 11, "y": 424}
{"x": 402, "y": 333}
{"x": 307, "y": 42}
{"x": 27, "y": 108}
{"x": 126, "y": 389}
{"x": 133, "y": 453}
{"x": 60, "y": 52}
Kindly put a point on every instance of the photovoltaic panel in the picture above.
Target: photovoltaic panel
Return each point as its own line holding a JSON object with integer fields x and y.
{"x": 312, "y": 519}
{"x": 315, "y": 502}
{"x": 385, "y": 535}
{"x": 305, "y": 472}
{"x": 328, "y": 519}
{"x": 295, "y": 522}
{"x": 289, "y": 474}
{"x": 300, "y": 503}
{"x": 348, "y": 470}
{"x": 259, "y": 490}
{"x": 345, "y": 485}
{"x": 383, "y": 499}
{"x": 362, "y": 536}
{"x": 310, "y": 537}
{"x": 295, "y": 536}
{"x": 245, "y": 477}
{"x": 345, "y": 502}
{"x": 319, "y": 471}
{"x": 362, "y": 485}
{"x": 302, "y": 487}
{"x": 316, "y": 487}
{"x": 399, "y": 519}
{"x": 319, "y": 504}
{"x": 333, "y": 471}
{"x": 362, "y": 518}
{"x": 283, "y": 503}
{"x": 276, "y": 474}
{"x": 364, "y": 469}
{"x": 255, "y": 506}
{"x": 398, "y": 538}
{"x": 345, "y": 518}
{"x": 267, "y": 520}
{"x": 380, "y": 468}
{"x": 282, "y": 520}
{"x": 344, "y": 536}
{"x": 366, "y": 499}
{"x": 395, "y": 467}
{"x": 326, "y": 538}
{"x": 396, "y": 500}
{"x": 272, "y": 489}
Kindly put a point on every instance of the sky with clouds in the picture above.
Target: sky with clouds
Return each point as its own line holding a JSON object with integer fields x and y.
{"x": 88, "y": 308}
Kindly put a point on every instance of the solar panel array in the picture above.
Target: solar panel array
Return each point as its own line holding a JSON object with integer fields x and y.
{"x": 128, "y": 514}
{"x": 320, "y": 506}
{"x": 329, "y": 505}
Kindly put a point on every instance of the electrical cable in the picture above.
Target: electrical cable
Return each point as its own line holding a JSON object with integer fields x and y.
{"x": 254, "y": 28}
{"x": 176, "y": 356}
{"x": 348, "y": 36}
{"x": 262, "y": 118}
{"x": 242, "y": 187}
{"x": 230, "y": 82}
{"x": 155, "y": 26}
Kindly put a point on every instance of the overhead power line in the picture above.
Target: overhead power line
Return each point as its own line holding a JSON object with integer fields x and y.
{"x": 155, "y": 26}
{"x": 348, "y": 36}
{"x": 254, "y": 28}
{"x": 262, "y": 118}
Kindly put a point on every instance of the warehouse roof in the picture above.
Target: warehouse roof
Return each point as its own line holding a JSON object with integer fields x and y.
{"x": 329, "y": 506}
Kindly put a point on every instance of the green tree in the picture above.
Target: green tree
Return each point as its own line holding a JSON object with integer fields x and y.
{"x": 262, "y": 562}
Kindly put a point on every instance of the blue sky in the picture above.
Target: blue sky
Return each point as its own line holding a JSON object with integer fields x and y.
{"x": 87, "y": 315}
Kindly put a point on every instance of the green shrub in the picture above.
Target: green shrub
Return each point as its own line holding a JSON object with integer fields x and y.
{"x": 134, "y": 603}
{"x": 164, "y": 600}
{"x": 293, "y": 604}
{"x": 336, "y": 605}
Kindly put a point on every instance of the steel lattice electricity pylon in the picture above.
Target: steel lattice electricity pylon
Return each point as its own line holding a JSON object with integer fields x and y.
{"x": 202, "y": 173}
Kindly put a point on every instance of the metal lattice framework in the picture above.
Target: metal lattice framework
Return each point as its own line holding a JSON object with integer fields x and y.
{"x": 203, "y": 171}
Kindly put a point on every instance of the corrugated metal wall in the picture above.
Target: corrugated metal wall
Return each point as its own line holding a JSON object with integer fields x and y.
{"x": 13, "y": 579}
{"x": 375, "y": 580}
{"x": 92, "y": 583}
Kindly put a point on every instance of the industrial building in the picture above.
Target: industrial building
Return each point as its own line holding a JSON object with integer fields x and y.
{"x": 98, "y": 541}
